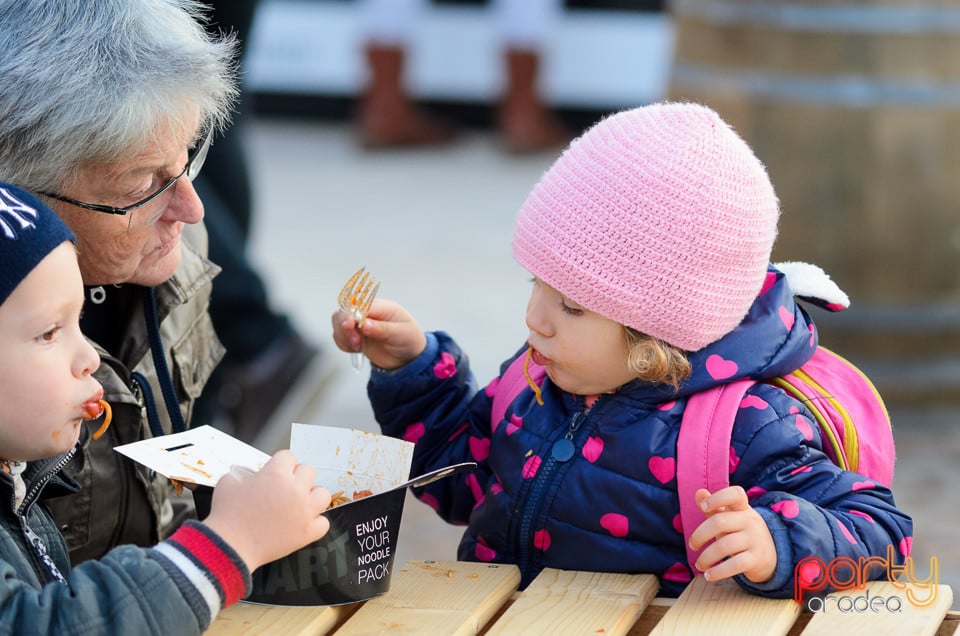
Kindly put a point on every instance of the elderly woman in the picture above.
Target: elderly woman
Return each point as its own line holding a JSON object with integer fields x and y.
{"x": 106, "y": 111}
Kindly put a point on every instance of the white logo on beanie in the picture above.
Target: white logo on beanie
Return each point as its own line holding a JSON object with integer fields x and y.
{"x": 15, "y": 215}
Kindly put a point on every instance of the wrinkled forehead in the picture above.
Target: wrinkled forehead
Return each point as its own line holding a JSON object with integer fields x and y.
{"x": 150, "y": 148}
{"x": 130, "y": 127}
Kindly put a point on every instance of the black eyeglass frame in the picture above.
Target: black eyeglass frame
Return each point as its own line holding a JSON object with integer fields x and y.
{"x": 195, "y": 160}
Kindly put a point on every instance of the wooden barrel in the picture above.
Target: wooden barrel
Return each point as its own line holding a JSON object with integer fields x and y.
{"x": 854, "y": 107}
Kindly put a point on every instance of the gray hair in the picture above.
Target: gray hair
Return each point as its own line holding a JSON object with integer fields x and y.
{"x": 91, "y": 82}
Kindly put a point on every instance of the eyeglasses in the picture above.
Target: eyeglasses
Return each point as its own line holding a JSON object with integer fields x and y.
{"x": 161, "y": 198}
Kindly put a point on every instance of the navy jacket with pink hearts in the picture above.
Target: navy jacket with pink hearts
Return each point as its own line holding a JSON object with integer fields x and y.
{"x": 612, "y": 504}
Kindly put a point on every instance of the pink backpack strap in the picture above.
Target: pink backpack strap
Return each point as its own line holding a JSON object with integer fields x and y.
{"x": 703, "y": 451}
{"x": 511, "y": 384}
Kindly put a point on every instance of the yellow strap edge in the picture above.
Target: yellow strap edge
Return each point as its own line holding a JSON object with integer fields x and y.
{"x": 825, "y": 427}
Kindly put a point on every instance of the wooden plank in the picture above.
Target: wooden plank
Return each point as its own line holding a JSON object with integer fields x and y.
{"x": 852, "y": 617}
{"x": 247, "y": 619}
{"x": 950, "y": 624}
{"x": 567, "y": 602}
{"x": 438, "y": 598}
{"x": 722, "y": 608}
{"x": 651, "y": 616}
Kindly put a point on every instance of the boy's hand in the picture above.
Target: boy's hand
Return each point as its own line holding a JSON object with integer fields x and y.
{"x": 391, "y": 337}
{"x": 269, "y": 514}
{"x": 742, "y": 543}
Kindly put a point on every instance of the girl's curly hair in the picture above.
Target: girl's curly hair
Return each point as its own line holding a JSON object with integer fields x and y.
{"x": 656, "y": 361}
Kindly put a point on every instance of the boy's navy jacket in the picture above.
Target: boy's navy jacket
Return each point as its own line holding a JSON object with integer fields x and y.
{"x": 129, "y": 590}
{"x": 612, "y": 505}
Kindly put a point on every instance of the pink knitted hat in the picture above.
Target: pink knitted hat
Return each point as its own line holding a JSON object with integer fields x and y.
{"x": 660, "y": 218}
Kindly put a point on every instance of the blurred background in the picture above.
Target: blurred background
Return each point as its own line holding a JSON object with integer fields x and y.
{"x": 853, "y": 107}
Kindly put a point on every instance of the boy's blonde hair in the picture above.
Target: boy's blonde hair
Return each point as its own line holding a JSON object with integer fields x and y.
{"x": 654, "y": 360}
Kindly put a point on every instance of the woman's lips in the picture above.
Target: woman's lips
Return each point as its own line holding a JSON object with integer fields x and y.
{"x": 168, "y": 246}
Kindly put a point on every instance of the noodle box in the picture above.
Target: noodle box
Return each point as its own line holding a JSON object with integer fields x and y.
{"x": 354, "y": 560}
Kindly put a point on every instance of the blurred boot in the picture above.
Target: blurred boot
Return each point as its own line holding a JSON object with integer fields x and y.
{"x": 525, "y": 123}
{"x": 387, "y": 116}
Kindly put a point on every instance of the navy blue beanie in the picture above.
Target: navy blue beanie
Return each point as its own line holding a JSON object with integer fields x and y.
{"x": 29, "y": 230}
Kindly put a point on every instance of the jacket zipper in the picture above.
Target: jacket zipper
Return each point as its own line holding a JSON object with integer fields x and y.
{"x": 39, "y": 483}
{"x": 531, "y": 509}
{"x": 43, "y": 564}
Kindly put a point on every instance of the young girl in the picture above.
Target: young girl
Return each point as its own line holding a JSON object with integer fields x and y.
{"x": 649, "y": 241}
{"x": 47, "y": 391}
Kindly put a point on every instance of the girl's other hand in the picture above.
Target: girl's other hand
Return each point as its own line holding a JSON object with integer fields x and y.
{"x": 741, "y": 541}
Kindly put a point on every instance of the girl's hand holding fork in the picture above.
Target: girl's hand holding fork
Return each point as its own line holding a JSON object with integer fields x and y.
{"x": 392, "y": 337}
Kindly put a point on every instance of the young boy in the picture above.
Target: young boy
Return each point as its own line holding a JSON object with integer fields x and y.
{"x": 46, "y": 389}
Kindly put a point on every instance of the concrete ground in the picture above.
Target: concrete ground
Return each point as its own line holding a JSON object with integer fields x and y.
{"x": 434, "y": 226}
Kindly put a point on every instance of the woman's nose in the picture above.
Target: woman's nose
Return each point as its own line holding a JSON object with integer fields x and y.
{"x": 185, "y": 205}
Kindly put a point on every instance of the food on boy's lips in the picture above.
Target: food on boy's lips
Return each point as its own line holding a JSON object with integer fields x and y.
{"x": 94, "y": 409}
{"x": 338, "y": 498}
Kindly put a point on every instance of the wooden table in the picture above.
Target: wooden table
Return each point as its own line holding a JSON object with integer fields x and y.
{"x": 454, "y": 597}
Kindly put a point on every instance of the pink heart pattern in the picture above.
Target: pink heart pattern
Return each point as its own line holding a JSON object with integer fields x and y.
{"x": 592, "y": 449}
{"x": 787, "y": 508}
{"x": 786, "y": 317}
{"x": 515, "y": 424}
{"x": 541, "y": 540}
{"x": 678, "y": 524}
{"x": 719, "y": 368}
{"x": 663, "y": 468}
{"x": 479, "y": 448}
{"x": 414, "y": 432}
{"x": 863, "y": 515}
{"x": 906, "y": 546}
{"x": 755, "y": 491}
{"x": 531, "y": 466}
{"x": 846, "y": 533}
{"x": 666, "y": 406}
{"x": 446, "y": 368}
{"x": 753, "y": 402}
{"x": 457, "y": 432}
{"x": 862, "y": 485}
{"x": 616, "y": 524}
{"x": 809, "y": 572}
{"x": 430, "y": 500}
{"x": 483, "y": 552}
{"x": 734, "y": 460}
{"x": 678, "y": 573}
{"x": 768, "y": 282}
{"x": 804, "y": 427}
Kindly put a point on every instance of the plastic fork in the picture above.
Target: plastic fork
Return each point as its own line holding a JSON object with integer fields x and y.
{"x": 355, "y": 298}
